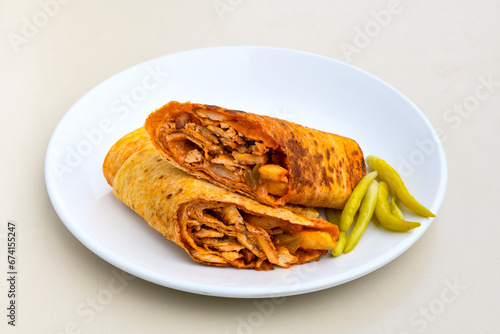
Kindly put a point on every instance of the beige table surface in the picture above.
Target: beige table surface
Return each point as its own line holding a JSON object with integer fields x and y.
{"x": 443, "y": 55}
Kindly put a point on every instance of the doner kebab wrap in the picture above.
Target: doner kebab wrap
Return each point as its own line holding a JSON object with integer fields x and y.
{"x": 271, "y": 160}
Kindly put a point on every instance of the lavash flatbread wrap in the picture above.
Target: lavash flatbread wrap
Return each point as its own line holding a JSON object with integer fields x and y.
{"x": 215, "y": 226}
{"x": 271, "y": 160}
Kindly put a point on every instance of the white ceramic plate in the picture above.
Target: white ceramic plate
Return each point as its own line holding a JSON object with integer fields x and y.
{"x": 308, "y": 89}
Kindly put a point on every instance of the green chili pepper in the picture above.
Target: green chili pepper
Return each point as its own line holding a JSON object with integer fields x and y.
{"x": 290, "y": 241}
{"x": 354, "y": 201}
{"x": 332, "y": 216}
{"x": 249, "y": 179}
{"x": 394, "y": 181}
{"x": 256, "y": 174}
{"x": 365, "y": 214}
{"x": 384, "y": 215}
{"x": 252, "y": 178}
{"x": 339, "y": 247}
{"x": 395, "y": 210}
{"x": 294, "y": 245}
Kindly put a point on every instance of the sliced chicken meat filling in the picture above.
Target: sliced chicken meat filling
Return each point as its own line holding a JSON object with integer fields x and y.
{"x": 241, "y": 238}
{"x": 217, "y": 147}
